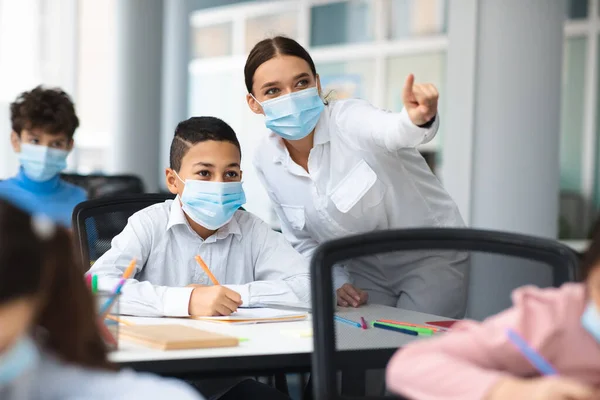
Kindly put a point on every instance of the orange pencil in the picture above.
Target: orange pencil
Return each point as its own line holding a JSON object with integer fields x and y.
{"x": 119, "y": 320}
{"x": 129, "y": 269}
{"x": 203, "y": 265}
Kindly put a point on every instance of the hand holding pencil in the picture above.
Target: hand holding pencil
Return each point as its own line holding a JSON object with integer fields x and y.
{"x": 212, "y": 300}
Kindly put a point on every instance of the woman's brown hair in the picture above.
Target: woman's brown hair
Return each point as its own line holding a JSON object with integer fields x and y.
{"x": 37, "y": 259}
{"x": 267, "y": 49}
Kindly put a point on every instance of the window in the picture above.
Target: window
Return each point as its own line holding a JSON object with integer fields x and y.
{"x": 361, "y": 48}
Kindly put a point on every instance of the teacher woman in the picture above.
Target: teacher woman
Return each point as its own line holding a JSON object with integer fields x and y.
{"x": 346, "y": 167}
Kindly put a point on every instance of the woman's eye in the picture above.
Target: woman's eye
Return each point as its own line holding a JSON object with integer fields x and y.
{"x": 204, "y": 173}
{"x": 272, "y": 91}
{"x": 302, "y": 83}
{"x": 34, "y": 140}
{"x": 231, "y": 174}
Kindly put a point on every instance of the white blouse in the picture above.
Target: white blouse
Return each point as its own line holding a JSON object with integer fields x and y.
{"x": 364, "y": 174}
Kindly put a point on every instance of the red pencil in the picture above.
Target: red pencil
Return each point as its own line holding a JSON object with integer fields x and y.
{"x": 363, "y": 323}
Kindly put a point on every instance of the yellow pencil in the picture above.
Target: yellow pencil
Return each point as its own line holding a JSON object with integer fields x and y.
{"x": 203, "y": 265}
{"x": 119, "y": 320}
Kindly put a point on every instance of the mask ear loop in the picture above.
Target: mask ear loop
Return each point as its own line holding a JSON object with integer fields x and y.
{"x": 177, "y": 175}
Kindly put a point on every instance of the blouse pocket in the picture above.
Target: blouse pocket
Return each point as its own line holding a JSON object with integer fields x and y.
{"x": 294, "y": 215}
{"x": 355, "y": 185}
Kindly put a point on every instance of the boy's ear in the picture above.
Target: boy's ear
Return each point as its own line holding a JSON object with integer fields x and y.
{"x": 254, "y": 105}
{"x": 15, "y": 142}
{"x": 70, "y": 144}
{"x": 171, "y": 180}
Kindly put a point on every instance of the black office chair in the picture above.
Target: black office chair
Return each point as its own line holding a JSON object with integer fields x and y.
{"x": 559, "y": 263}
{"x": 97, "y": 222}
{"x": 101, "y": 186}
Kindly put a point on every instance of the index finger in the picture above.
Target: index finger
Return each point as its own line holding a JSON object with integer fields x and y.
{"x": 407, "y": 91}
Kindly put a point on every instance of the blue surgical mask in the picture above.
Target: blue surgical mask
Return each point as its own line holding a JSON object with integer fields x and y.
{"x": 293, "y": 116}
{"x": 591, "y": 321}
{"x": 41, "y": 163}
{"x": 211, "y": 204}
{"x": 20, "y": 358}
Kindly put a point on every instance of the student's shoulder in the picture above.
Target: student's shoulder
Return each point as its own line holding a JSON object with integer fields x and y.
{"x": 559, "y": 303}
{"x": 8, "y": 184}
{"x": 155, "y": 215}
{"x": 106, "y": 384}
{"x": 249, "y": 223}
{"x": 74, "y": 190}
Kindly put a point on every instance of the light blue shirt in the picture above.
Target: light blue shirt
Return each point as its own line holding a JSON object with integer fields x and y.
{"x": 245, "y": 255}
{"x": 54, "y": 198}
{"x": 53, "y": 380}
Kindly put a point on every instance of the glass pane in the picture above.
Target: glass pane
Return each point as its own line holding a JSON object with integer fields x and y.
{"x": 340, "y": 23}
{"x": 211, "y": 41}
{"x": 578, "y": 9}
{"x": 408, "y": 18}
{"x": 267, "y": 26}
{"x": 344, "y": 80}
{"x": 571, "y": 138}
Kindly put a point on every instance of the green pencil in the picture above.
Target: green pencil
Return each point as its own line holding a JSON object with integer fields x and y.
{"x": 94, "y": 283}
{"x": 421, "y": 331}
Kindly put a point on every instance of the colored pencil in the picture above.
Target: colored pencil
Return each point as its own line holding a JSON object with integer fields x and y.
{"x": 105, "y": 333}
{"x": 346, "y": 321}
{"x": 530, "y": 354}
{"x": 203, "y": 265}
{"x": 119, "y": 320}
{"x": 94, "y": 283}
{"x": 389, "y": 321}
{"x": 363, "y": 323}
{"x": 422, "y": 331}
{"x": 394, "y": 328}
{"x": 109, "y": 303}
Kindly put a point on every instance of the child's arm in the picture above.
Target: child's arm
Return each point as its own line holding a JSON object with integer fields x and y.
{"x": 470, "y": 361}
{"x": 281, "y": 274}
{"x": 138, "y": 298}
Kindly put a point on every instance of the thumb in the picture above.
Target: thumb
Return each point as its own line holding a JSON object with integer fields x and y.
{"x": 574, "y": 390}
{"x": 407, "y": 91}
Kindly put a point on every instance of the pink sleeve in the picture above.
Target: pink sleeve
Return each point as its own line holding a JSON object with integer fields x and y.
{"x": 466, "y": 363}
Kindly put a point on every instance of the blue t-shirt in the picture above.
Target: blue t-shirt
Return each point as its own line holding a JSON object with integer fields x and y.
{"x": 54, "y": 198}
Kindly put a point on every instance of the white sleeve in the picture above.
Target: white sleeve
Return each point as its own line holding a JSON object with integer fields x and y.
{"x": 372, "y": 128}
{"x": 281, "y": 274}
{"x": 138, "y": 298}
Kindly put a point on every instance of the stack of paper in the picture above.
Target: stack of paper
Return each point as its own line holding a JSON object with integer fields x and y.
{"x": 257, "y": 316}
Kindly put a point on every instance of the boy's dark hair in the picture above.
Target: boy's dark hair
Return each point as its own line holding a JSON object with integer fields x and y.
{"x": 49, "y": 109}
{"x": 196, "y": 130}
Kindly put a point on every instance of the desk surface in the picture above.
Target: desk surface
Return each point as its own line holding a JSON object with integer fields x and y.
{"x": 268, "y": 347}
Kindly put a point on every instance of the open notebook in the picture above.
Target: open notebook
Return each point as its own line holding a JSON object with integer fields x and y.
{"x": 256, "y": 316}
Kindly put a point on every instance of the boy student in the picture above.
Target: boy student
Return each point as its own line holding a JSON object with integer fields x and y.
{"x": 43, "y": 123}
{"x": 255, "y": 265}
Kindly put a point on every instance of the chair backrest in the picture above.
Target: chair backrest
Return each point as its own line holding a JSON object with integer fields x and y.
{"x": 557, "y": 260}
{"x": 97, "y": 222}
{"x": 100, "y": 186}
